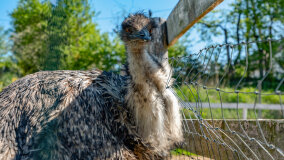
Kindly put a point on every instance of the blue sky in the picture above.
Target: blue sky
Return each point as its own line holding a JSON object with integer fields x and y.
{"x": 108, "y": 11}
{"x": 111, "y": 12}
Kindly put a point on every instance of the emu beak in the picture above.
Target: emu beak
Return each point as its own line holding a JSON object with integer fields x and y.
{"x": 143, "y": 34}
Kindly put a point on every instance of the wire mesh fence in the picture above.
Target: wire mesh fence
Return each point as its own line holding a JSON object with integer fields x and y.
{"x": 232, "y": 101}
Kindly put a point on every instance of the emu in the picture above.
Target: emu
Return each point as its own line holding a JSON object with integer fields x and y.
{"x": 95, "y": 114}
{"x": 155, "y": 108}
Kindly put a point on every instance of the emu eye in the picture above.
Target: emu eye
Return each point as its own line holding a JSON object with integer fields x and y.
{"x": 127, "y": 30}
{"x": 150, "y": 30}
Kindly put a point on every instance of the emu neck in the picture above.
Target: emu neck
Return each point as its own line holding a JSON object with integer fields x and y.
{"x": 135, "y": 51}
{"x": 144, "y": 97}
{"x": 138, "y": 64}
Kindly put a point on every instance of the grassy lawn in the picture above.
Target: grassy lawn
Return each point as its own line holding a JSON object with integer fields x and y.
{"x": 227, "y": 95}
{"x": 246, "y": 95}
{"x": 233, "y": 114}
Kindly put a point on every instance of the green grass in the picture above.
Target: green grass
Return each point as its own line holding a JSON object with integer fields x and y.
{"x": 180, "y": 151}
{"x": 229, "y": 96}
{"x": 233, "y": 114}
{"x": 190, "y": 95}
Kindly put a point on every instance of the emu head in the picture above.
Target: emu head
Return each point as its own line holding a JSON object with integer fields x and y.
{"x": 136, "y": 30}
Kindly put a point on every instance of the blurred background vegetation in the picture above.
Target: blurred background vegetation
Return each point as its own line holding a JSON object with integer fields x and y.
{"x": 63, "y": 35}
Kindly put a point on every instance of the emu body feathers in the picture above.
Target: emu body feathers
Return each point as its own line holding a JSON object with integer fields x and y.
{"x": 63, "y": 115}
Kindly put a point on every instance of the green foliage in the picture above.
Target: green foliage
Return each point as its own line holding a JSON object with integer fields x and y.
{"x": 48, "y": 36}
{"x": 61, "y": 36}
{"x": 29, "y": 34}
{"x": 81, "y": 45}
{"x": 3, "y": 44}
{"x": 179, "y": 49}
{"x": 8, "y": 69}
{"x": 181, "y": 61}
{"x": 246, "y": 21}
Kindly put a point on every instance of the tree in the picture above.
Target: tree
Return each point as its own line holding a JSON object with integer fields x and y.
{"x": 61, "y": 36}
{"x": 3, "y": 44}
{"x": 184, "y": 65}
{"x": 29, "y": 34}
{"x": 247, "y": 21}
{"x": 82, "y": 45}
{"x": 8, "y": 70}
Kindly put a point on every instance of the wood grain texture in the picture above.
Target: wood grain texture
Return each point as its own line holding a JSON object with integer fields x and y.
{"x": 185, "y": 14}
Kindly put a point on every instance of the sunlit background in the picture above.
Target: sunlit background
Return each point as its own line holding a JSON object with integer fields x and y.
{"x": 242, "y": 78}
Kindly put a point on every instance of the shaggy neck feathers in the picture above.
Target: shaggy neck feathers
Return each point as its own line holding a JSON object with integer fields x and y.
{"x": 155, "y": 109}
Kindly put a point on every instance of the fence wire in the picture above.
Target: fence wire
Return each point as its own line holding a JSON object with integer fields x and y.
{"x": 232, "y": 101}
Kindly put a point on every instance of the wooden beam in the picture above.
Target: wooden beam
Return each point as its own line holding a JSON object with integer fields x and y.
{"x": 185, "y": 14}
